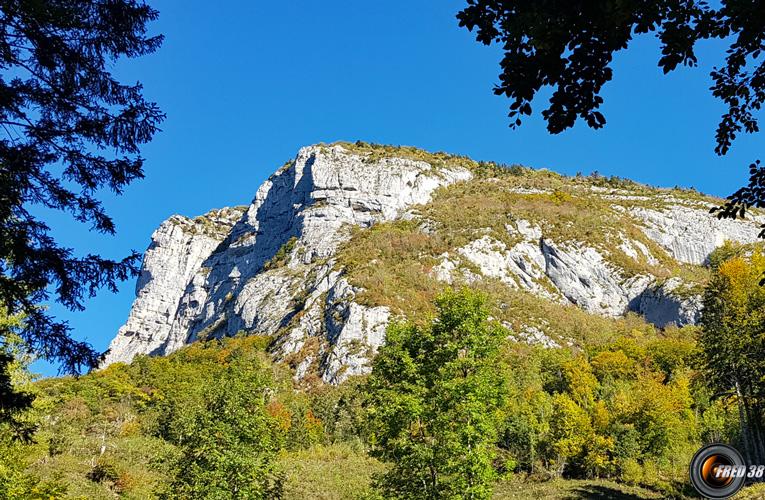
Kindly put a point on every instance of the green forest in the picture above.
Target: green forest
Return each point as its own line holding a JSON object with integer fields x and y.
{"x": 452, "y": 409}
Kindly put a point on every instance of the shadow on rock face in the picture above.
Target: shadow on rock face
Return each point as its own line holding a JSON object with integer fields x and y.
{"x": 251, "y": 243}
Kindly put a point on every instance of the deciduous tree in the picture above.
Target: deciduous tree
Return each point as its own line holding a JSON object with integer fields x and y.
{"x": 570, "y": 45}
{"x": 733, "y": 323}
{"x": 435, "y": 398}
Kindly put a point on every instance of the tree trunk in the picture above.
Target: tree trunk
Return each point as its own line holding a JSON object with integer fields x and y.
{"x": 743, "y": 421}
{"x": 755, "y": 424}
{"x": 754, "y": 427}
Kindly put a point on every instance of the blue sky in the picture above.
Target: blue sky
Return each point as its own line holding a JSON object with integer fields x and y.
{"x": 246, "y": 83}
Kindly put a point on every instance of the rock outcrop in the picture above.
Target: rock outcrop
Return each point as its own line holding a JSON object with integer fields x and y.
{"x": 271, "y": 268}
{"x": 669, "y": 303}
{"x": 575, "y": 273}
{"x": 690, "y": 234}
{"x": 178, "y": 248}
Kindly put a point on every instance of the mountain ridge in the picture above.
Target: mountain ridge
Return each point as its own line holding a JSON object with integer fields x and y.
{"x": 346, "y": 237}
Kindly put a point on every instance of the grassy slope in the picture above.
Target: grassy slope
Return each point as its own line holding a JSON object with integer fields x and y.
{"x": 392, "y": 262}
{"x": 340, "y": 472}
{"x": 570, "y": 489}
{"x": 332, "y": 472}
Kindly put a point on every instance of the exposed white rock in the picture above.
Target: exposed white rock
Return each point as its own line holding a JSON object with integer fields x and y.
{"x": 194, "y": 285}
{"x": 355, "y": 333}
{"x": 529, "y": 231}
{"x": 636, "y": 250}
{"x": 444, "y": 270}
{"x": 626, "y": 197}
{"x": 348, "y": 333}
{"x": 270, "y": 268}
{"x": 534, "y": 336}
{"x": 586, "y": 279}
{"x": 521, "y": 266}
{"x": 178, "y": 248}
{"x": 572, "y": 271}
{"x": 522, "y": 190}
{"x": 669, "y": 303}
{"x": 691, "y": 234}
{"x": 492, "y": 259}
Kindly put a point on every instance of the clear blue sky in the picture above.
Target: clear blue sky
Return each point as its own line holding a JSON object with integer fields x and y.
{"x": 246, "y": 83}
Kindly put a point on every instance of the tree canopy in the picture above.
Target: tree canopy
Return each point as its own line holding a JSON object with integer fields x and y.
{"x": 435, "y": 396}
{"x": 731, "y": 342}
{"x": 68, "y": 130}
{"x": 570, "y": 45}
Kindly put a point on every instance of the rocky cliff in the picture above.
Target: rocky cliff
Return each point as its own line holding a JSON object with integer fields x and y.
{"x": 347, "y": 237}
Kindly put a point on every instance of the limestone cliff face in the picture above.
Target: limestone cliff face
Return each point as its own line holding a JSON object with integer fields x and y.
{"x": 271, "y": 268}
{"x": 195, "y": 285}
{"x": 178, "y": 248}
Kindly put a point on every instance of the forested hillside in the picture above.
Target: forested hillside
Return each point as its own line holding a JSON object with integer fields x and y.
{"x": 386, "y": 322}
{"x": 220, "y": 416}
{"x": 220, "y": 419}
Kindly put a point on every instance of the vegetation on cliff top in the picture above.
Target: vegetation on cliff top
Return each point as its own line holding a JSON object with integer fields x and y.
{"x": 392, "y": 261}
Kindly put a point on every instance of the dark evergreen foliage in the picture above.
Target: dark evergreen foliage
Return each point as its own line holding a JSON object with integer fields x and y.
{"x": 68, "y": 130}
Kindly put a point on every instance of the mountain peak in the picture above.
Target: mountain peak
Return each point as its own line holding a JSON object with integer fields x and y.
{"x": 349, "y": 235}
